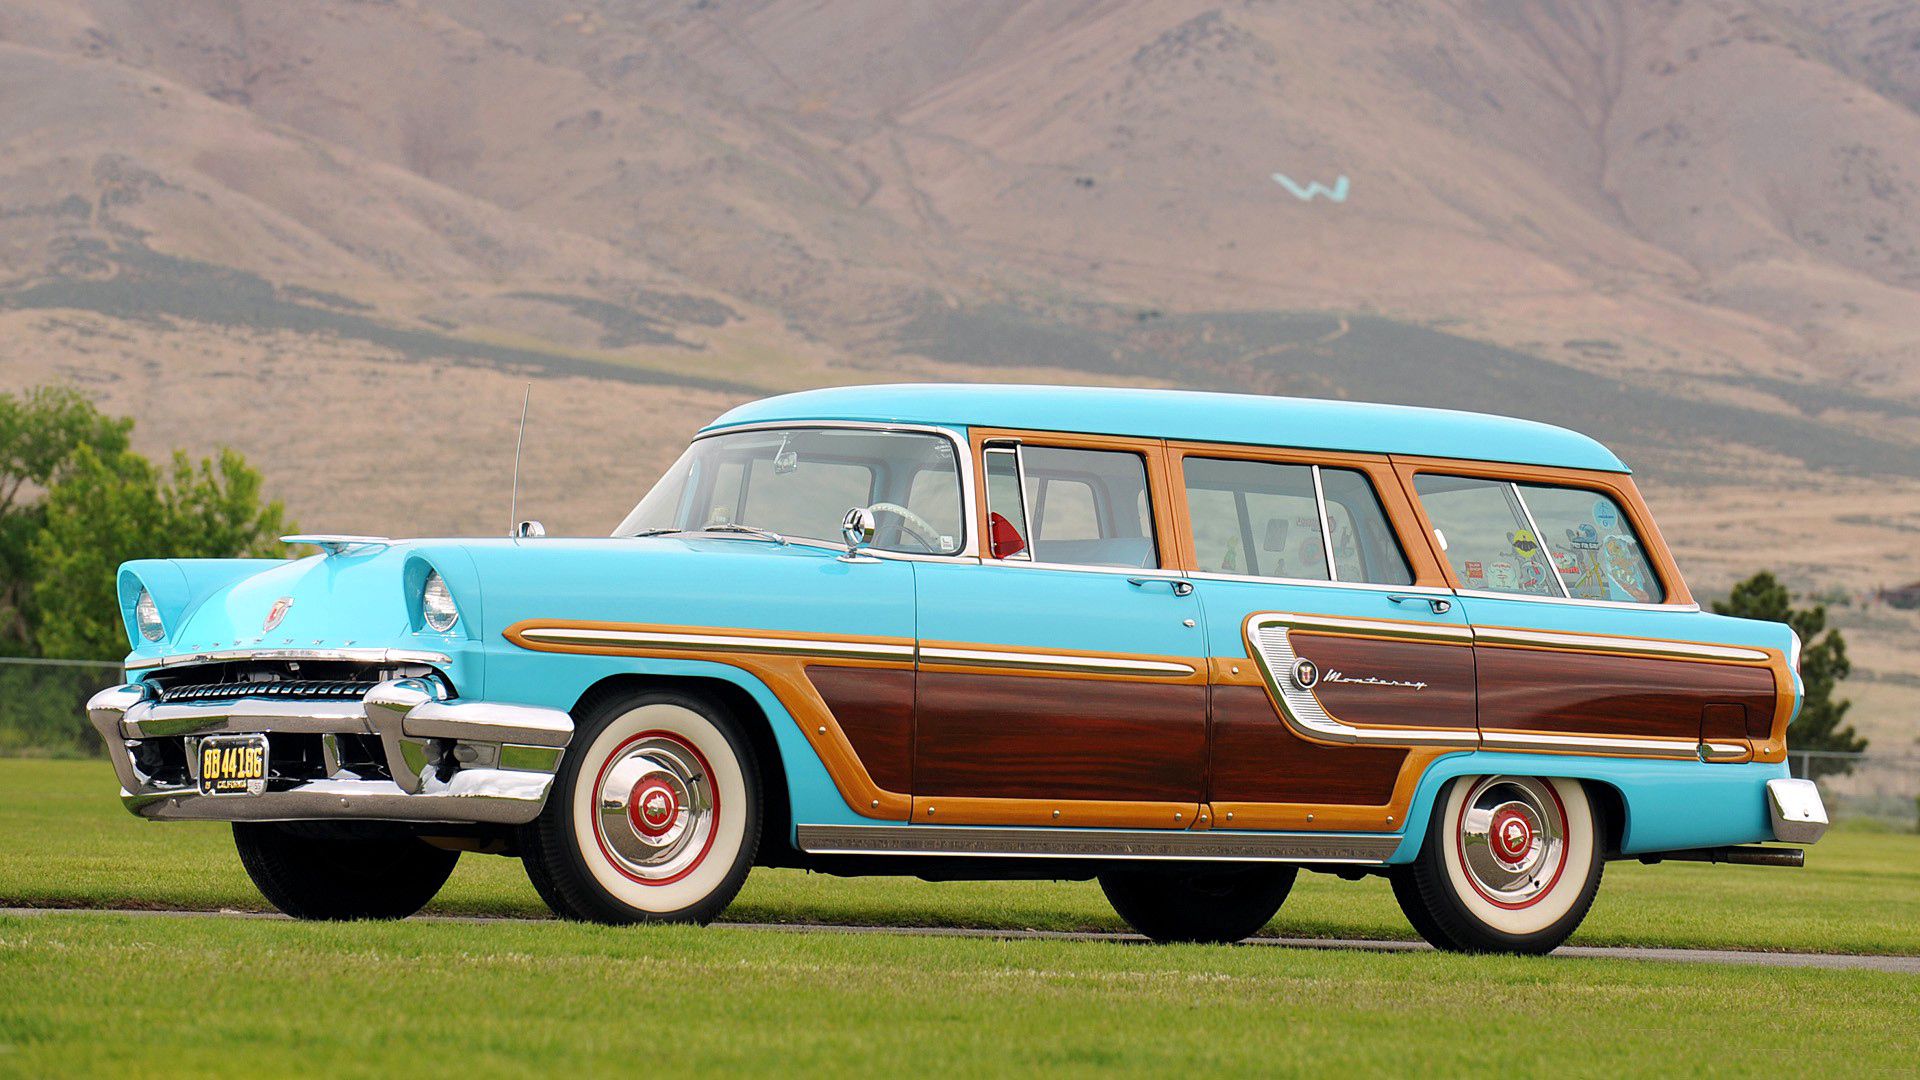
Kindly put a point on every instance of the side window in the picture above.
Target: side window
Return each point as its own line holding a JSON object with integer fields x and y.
{"x": 1364, "y": 546}
{"x": 1484, "y": 531}
{"x": 1592, "y": 545}
{"x": 1263, "y": 519}
{"x": 1255, "y": 518}
{"x": 1088, "y": 507}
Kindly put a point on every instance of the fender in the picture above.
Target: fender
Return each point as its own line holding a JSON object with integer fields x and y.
{"x": 1670, "y": 805}
{"x": 559, "y": 680}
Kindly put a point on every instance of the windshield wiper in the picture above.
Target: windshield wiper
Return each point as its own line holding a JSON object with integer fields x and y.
{"x": 748, "y": 530}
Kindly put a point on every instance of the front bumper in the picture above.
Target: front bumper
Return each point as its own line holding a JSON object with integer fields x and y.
{"x": 436, "y": 760}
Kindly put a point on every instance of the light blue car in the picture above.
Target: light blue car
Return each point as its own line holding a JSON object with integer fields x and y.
{"x": 1184, "y": 643}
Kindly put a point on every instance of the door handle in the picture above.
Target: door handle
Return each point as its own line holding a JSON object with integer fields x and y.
{"x": 1437, "y": 605}
{"x": 1180, "y": 588}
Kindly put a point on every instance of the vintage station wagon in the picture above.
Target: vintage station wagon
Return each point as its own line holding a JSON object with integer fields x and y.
{"x": 1183, "y": 643}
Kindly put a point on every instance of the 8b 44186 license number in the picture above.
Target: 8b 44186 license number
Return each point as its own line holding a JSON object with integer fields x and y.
{"x": 233, "y": 765}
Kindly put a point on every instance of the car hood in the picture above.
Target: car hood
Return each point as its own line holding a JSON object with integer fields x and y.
{"x": 369, "y": 597}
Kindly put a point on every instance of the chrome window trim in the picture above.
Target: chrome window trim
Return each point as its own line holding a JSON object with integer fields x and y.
{"x": 1625, "y": 605}
{"x": 1367, "y": 586}
{"x": 962, "y": 456}
{"x": 1219, "y": 845}
{"x": 1539, "y": 542}
{"x": 368, "y": 656}
{"x": 1326, "y": 527}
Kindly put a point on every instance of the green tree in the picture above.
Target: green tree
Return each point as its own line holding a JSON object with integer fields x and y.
{"x": 1823, "y": 663}
{"x": 111, "y": 508}
{"x": 40, "y": 433}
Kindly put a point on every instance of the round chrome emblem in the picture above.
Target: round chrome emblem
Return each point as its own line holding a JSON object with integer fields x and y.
{"x": 1305, "y": 673}
{"x": 654, "y": 807}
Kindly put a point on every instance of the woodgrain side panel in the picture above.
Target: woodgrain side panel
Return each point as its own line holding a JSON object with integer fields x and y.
{"x": 1258, "y": 759}
{"x": 875, "y": 708}
{"x": 1392, "y": 683}
{"x": 1026, "y": 737}
{"x": 1597, "y": 693}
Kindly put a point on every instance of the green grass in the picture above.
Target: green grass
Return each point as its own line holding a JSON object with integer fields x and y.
{"x": 70, "y": 844}
{"x": 84, "y": 994}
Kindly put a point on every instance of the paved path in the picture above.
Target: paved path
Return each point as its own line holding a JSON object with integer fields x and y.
{"x": 1905, "y": 965}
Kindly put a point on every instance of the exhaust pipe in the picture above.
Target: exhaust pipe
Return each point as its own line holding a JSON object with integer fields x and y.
{"x": 1743, "y": 855}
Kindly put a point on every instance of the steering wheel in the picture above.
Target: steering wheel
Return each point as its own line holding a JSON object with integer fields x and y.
{"x": 912, "y": 524}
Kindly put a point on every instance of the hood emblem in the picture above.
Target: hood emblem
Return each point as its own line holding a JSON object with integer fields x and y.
{"x": 278, "y": 612}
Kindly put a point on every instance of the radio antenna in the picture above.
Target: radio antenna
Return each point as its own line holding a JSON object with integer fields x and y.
{"x": 513, "y": 508}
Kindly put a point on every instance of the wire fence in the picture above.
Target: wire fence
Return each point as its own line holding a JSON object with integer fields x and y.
{"x": 43, "y": 706}
{"x": 43, "y": 714}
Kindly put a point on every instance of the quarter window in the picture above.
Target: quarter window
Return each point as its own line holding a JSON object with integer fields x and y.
{"x": 1592, "y": 545}
{"x": 1264, "y": 519}
{"x": 1537, "y": 540}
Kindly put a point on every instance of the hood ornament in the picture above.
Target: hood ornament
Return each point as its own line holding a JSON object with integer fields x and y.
{"x": 335, "y": 543}
{"x": 277, "y": 612}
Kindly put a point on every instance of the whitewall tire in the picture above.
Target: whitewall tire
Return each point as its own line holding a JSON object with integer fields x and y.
{"x": 654, "y": 815}
{"x": 1509, "y": 864}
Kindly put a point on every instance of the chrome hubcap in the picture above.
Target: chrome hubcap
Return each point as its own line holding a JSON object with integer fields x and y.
{"x": 1513, "y": 838}
{"x": 656, "y": 807}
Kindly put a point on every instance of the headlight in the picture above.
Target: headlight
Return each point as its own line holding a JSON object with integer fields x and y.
{"x": 146, "y": 617}
{"x": 436, "y": 604}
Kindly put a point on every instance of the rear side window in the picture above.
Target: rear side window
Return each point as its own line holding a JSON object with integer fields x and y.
{"x": 1537, "y": 540}
{"x": 1592, "y": 546}
{"x": 1264, "y": 519}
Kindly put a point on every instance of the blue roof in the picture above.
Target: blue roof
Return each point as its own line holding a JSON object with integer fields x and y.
{"x": 1307, "y": 423}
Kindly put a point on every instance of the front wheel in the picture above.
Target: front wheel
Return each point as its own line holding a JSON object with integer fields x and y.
{"x": 317, "y": 877}
{"x": 1221, "y": 905}
{"x": 1510, "y": 864}
{"x": 653, "y": 817}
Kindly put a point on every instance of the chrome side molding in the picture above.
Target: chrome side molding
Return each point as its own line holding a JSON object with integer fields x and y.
{"x": 1217, "y": 845}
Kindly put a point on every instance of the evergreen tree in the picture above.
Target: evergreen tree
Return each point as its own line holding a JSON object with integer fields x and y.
{"x": 1823, "y": 663}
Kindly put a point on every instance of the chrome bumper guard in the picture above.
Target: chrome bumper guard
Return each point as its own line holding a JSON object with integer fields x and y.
{"x": 448, "y": 760}
{"x": 1799, "y": 817}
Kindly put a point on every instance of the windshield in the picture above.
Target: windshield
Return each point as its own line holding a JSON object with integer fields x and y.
{"x": 800, "y": 482}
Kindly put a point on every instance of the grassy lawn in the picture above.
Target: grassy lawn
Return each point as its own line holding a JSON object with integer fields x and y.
{"x": 219, "y": 997}
{"x": 74, "y": 846}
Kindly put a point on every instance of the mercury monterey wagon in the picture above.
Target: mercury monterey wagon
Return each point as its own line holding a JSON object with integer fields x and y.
{"x": 1186, "y": 644}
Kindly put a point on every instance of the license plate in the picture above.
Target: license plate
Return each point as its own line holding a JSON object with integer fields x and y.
{"x": 233, "y": 765}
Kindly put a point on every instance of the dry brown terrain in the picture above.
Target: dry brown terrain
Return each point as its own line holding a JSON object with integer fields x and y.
{"x": 342, "y": 237}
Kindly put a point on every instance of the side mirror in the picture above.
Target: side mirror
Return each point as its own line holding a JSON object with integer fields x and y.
{"x": 530, "y": 530}
{"x": 858, "y": 527}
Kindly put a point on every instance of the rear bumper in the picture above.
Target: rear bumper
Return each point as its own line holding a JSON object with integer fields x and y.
{"x": 437, "y": 760}
{"x": 1795, "y": 809}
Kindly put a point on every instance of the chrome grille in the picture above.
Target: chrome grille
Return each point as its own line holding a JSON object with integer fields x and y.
{"x": 284, "y": 688}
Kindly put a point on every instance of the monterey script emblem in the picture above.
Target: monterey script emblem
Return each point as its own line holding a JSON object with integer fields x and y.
{"x": 1370, "y": 680}
{"x": 278, "y": 612}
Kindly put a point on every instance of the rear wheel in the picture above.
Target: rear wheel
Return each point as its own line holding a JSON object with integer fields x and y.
{"x": 1214, "y": 904}
{"x": 1510, "y": 864}
{"x": 312, "y": 877}
{"x": 654, "y": 817}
